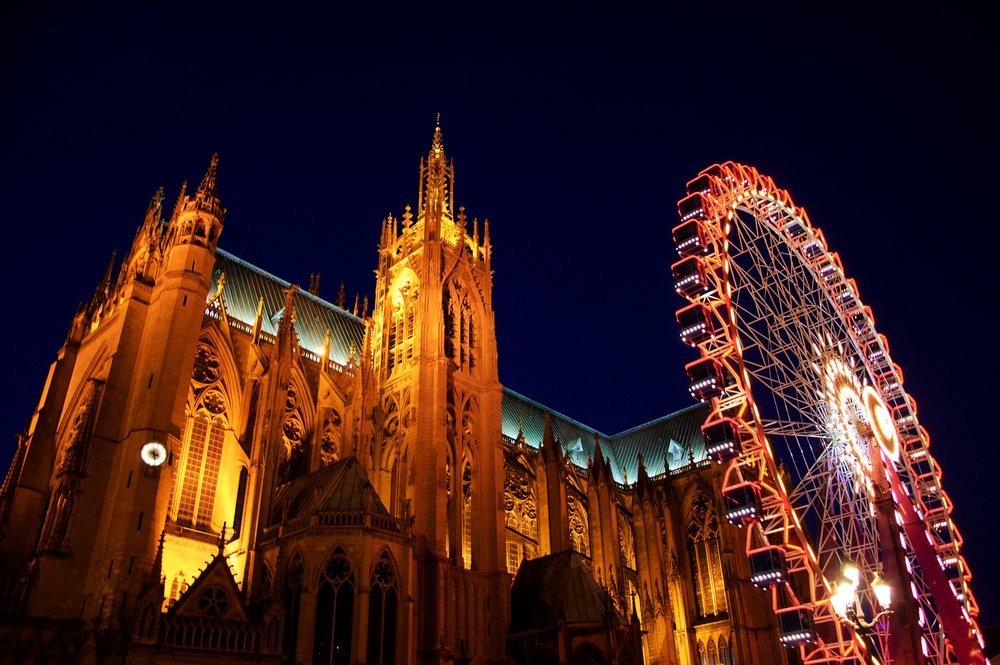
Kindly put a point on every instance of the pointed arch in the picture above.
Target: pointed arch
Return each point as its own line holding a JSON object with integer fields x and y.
{"x": 579, "y": 522}
{"x": 704, "y": 554}
{"x": 200, "y": 469}
{"x": 587, "y": 654}
{"x": 292, "y": 601}
{"x": 335, "y": 600}
{"x": 711, "y": 654}
{"x": 383, "y": 610}
{"x": 464, "y": 316}
{"x": 229, "y": 375}
{"x": 401, "y": 319}
{"x": 724, "y": 658}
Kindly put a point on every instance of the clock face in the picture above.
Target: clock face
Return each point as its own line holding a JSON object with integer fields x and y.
{"x": 154, "y": 453}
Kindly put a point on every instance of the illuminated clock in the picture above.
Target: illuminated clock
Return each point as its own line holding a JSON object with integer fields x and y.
{"x": 154, "y": 453}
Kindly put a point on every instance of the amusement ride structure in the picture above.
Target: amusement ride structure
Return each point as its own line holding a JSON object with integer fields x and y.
{"x": 827, "y": 467}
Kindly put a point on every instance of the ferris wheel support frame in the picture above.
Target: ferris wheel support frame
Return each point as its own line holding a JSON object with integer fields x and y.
{"x": 906, "y": 489}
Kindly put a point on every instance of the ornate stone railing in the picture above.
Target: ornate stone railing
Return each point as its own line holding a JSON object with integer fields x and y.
{"x": 205, "y": 633}
{"x": 354, "y": 518}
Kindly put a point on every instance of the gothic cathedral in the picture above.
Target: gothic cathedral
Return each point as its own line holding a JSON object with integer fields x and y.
{"x": 224, "y": 466}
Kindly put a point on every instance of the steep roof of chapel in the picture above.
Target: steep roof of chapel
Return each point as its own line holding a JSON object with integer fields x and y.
{"x": 338, "y": 487}
{"x": 554, "y": 587}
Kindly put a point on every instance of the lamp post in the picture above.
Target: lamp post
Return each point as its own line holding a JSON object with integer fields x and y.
{"x": 847, "y": 605}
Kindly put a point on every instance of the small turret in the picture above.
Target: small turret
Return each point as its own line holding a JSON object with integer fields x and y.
{"x": 198, "y": 220}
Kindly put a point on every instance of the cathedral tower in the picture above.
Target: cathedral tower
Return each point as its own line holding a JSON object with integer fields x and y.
{"x": 123, "y": 377}
{"x": 436, "y": 455}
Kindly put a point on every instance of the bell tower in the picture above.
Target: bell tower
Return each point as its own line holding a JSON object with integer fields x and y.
{"x": 436, "y": 452}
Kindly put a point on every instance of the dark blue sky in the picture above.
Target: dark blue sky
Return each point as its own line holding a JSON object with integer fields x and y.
{"x": 574, "y": 135}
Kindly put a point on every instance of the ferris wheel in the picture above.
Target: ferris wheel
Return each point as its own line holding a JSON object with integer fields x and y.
{"x": 828, "y": 469}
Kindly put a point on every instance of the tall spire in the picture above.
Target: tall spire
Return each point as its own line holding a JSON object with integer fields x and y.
{"x": 208, "y": 195}
{"x": 437, "y": 176}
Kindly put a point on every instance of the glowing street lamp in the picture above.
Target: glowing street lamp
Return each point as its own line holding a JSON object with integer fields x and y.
{"x": 845, "y": 599}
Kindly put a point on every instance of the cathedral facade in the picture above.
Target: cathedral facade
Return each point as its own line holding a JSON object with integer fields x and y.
{"x": 222, "y": 465}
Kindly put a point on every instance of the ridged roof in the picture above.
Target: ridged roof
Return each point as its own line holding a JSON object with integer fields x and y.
{"x": 673, "y": 439}
{"x": 338, "y": 487}
{"x": 245, "y": 284}
{"x": 555, "y": 587}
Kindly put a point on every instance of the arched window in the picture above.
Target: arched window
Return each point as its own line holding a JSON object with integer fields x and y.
{"x": 460, "y": 335}
{"x": 579, "y": 526}
{"x": 702, "y": 658}
{"x": 334, "y": 612}
{"x": 712, "y": 654}
{"x": 467, "y": 516}
{"x": 291, "y": 600}
{"x": 201, "y": 469}
{"x": 241, "y": 497}
{"x": 383, "y": 606}
{"x": 724, "y": 652}
{"x": 402, "y": 322}
{"x": 706, "y": 560}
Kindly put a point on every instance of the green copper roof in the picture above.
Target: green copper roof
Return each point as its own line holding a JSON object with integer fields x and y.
{"x": 246, "y": 284}
{"x": 666, "y": 444}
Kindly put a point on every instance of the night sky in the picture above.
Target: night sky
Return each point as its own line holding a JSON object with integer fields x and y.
{"x": 574, "y": 136}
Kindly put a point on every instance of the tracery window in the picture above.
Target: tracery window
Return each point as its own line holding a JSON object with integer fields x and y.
{"x": 201, "y": 470}
{"x": 724, "y": 655}
{"x": 467, "y": 521}
{"x": 579, "y": 527}
{"x": 711, "y": 653}
{"x": 383, "y": 604}
{"x": 334, "y": 612}
{"x": 521, "y": 511}
{"x": 626, "y": 541}
{"x": 402, "y": 321}
{"x": 329, "y": 445}
{"x": 203, "y": 446}
{"x": 293, "y": 434}
{"x": 460, "y": 334}
{"x": 292, "y": 600}
{"x": 706, "y": 560}
{"x": 241, "y": 497}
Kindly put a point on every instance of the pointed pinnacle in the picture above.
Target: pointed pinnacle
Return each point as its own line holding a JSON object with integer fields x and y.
{"x": 207, "y": 188}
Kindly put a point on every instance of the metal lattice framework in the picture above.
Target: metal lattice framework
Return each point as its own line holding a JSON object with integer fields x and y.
{"x": 825, "y": 456}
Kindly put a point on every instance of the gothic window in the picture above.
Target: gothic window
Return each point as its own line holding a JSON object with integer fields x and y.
{"x": 460, "y": 333}
{"x": 706, "y": 561}
{"x": 702, "y": 657}
{"x": 383, "y": 604}
{"x": 519, "y": 504}
{"x": 402, "y": 322}
{"x": 241, "y": 497}
{"x": 214, "y": 601}
{"x": 711, "y": 654}
{"x": 586, "y": 654}
{"x": 329, "y": 445}
{"x": 201, "y": 468}
{"x": 467, "y": 522}
{"x": 513, "y": 556}
{"x": 724, "y": 658}
{"x": 291, "y": 600}
{"x": 293, "y": 434}
{"x": 626, "y": 541}
{"x": 334, "y": 612}
{"x": 579, "y": 528}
